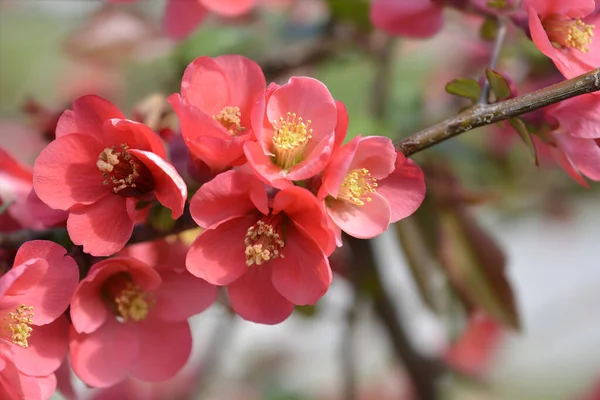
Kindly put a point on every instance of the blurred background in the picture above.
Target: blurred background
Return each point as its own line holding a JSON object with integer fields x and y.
{"x": 543, "y": 226}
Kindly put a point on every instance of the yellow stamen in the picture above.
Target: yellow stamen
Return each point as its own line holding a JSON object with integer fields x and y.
{"x": 357, "y": 186}
{"x": 230, "y": 118}
{"x": 263, "y": 242}
{"x": 290, "y": 139}
{"x": 133, "y": 303}
{"x": 564, "y": 32}
{"x": 123, "y": 171}
{"x": 17, "y": 325}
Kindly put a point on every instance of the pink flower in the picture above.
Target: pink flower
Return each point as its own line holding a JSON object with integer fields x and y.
{"x": 129, "y": 318}
{"x": 369, "y": 185}
{"x": 577, "y": 136}
{"x": 98, "y": 168}
{"x": 413, "y": 18}
{"x": 183, "y": 16}
{"x": 295, "y": 132}
{"x": 566, "y": 31}
{"x": 271, "y": 254}
{"x": 215, "y": 107}
{"x": 34, "y": 294}
{"x": 15, "y": 385}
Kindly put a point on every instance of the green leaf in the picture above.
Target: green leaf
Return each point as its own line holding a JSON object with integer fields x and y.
{"x": 463, "y": 87}
{"x": 476, "y": 265}
{"x": 498, "y": 84}
{"x": 519, "y": 126}
{"x": 355, "y": 11}
{"x": 307, "y": 310}
{"x": 489, "y": 29}
{"x": 160, "y": 218}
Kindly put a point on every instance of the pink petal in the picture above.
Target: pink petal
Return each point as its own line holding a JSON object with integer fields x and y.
{"x": 51, "y": 296}
{"x": 364, "y": 222}
{"x": 196, "y": 123}
{"x": 341, "y": 127}
{"x": 218, "y": 254}
{"x": 14, "y": 168}
{"x": 181, "y": 296}
{"x": 220, "y": 154}
{"x": 566, "y": 164}
{"x": 64, "y": 382}
{"x": 416, "y": 18}
{"x": 230, "y": 194}
{"x": 303, "y": 276}
{"x": 22, "y": 277}
{"x": 404, "y": 189}
{"x": 69, "y": 163}
{"x": 41, "y": 212}
{"x": 66, "y": 124}
{"x": 105, "y": 357}
{"x": 571, "y": 9}
{"x": 204, "y": 85}
{"x": 584, "y": 153}
{"x": 102, "y": 228}
{"x": 182, "y": 17}
{"x": 314, "y": 163}
{"x": 264, "y": 167}
{"x": 10, "y": 383}
{"x": 254, "y": 298}
{"x": 164, "y": 349}
{"x": 337, "y": 169}
{"x": 303, "y": 208}
{"x": 134, "y": 134}
{"x": 38, "y": 387}
{"x": 375, "y": 153}
{"x": 48, "y": 346}
{"x": 170, "y": 189}
{"x": 229, "y": 8}
{"x": 309, "y": 99}
{"x": 89, "y": 113}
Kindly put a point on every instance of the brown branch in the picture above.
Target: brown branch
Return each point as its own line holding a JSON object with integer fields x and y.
{"x": 486, "y": 114}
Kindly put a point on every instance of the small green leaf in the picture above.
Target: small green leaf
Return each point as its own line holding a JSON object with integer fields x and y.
{"x": 498, "y": 84}
{"x": 307, "y": 310}
{"x": 356, "y": 11}
{"x": 489, "y": 29}
{"x": 520, "y": 127}
{"x": 160, "y": 218}
{"x": 463, "y": 87}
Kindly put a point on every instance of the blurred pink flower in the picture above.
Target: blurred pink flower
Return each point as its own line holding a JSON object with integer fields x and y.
{"x": 271, "y": 254}
{"x": 369, "y": 185}
{"x": 15, "y": 385}
{"x": 295, "y": 132}
{"x": 215, "y": 107}
{"x": 412, "y": 18}
{"x": 129, "y": 318}
{"x": 98, "y": 168}
{"x": 566, "y": 31}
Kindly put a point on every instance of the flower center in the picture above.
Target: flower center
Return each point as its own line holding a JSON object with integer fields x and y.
{"x": 126, "y": 175}
{"x": 128, "y": 300}
{"x": 290, "y": 139}
{"x": 264, "y": 241}
{"x": 569, "y": 33}
{"x": 357, "y": 186}
{"x": 230, "y": 119}
{"x": 16, "y": 325}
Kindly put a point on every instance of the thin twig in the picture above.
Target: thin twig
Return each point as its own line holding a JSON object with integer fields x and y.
{"x": 486, "y": 114}
{"x": 500, "y": 35}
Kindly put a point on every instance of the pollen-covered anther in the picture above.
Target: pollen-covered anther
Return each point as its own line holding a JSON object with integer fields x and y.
{"x": 230, "y": 119}
{"x": 569, "y": 33}
{"x": 132, "y": 303}
{"x": 263, "y": 243}
{"x": 290, "y": 139}
{"x": 357, "y": 185}
{"x": 123, "y": 171}
{"x": 16, "y": 325}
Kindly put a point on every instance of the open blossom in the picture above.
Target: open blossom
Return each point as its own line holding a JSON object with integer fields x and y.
{"x": 414, "y": 18}
{"x": 295, "y": 132}
{"x": 34, "y": 294}
{"x": 98, "y": 168}
{"x": 215, "y": 107}
{"x": 369, "y": 185}
{"x": 271, "y": 253}
{"x": 567, "y": 31}
{"x": 130, "y": 318}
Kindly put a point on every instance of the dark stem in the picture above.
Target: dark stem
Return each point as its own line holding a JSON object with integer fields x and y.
{"x": 486, "y": 114}
{"x": 500, "y": 35}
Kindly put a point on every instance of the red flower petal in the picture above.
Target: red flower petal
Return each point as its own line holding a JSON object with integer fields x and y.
{"x": 583, "y": 153}
{"x": 229, "y": 195}
{"x": 104, "y": 227}
{"x": 416, "y": 18}
{"x": 571, "y": 8}
{"x": 229, "y": 8}
{"x": 217, "y": 255}
{"x": 404, "y": 189}
{"x": 89, "y": 113}
{"x": 181, "y": 296}
{"x": 22, "y": 277}
{"x": 304, "y": 275}
{"x": 182, "y": 17}
{"x": 254, "y": 298}
{"x": 341, "y": 127}
{"x": 264, "y": 168}
{"x": 65, "y": 172}
{"x": 336, "y": 171}
{"x": 375, "y": 153}
{"x": 136, "y": 135}
{"x": 104, "y": 357}
{"x": 164, "y": 349}
{"x": 66, "y": 124}
{"x": 364, "y": 222}
{"x": 170, "y": 189}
